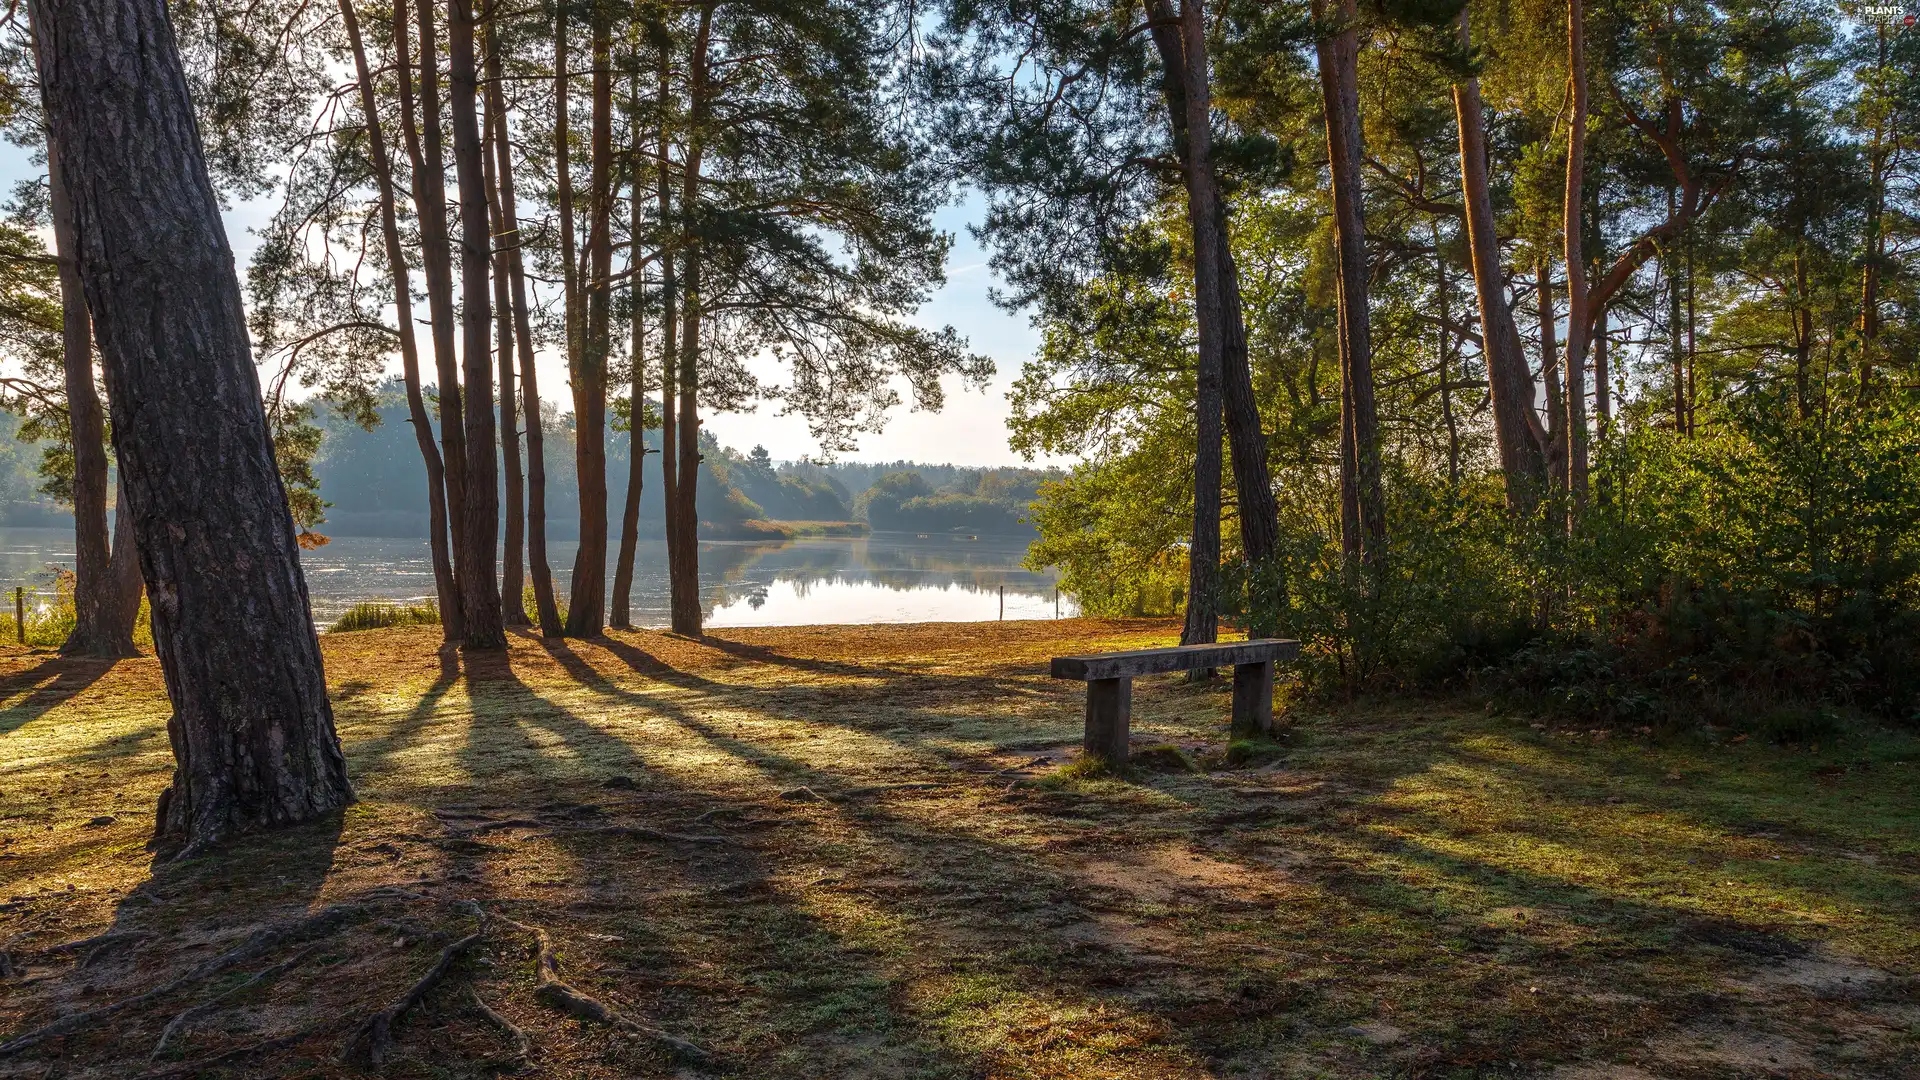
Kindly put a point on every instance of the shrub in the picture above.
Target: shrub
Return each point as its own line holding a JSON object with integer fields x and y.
{"x": 378, "y": 614}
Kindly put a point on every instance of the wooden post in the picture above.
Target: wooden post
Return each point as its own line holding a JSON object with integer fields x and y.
{"x": 1003, "y": 603}
{"x": 1109, "y": 720}
{"x": 1252, "y": 700}
{"x": 1056, "y": 601}
{"x": 20, "y": 614}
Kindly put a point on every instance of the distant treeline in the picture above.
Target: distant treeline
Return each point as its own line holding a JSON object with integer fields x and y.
{"x": 27, "y": 495}
{"x": 373, "y": 482}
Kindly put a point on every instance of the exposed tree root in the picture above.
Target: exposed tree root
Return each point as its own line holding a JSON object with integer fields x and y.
{"x": 554, "y": 992}
{"x": 523, "y": 1046}
{"x": 96, "y": 944}
{"x": 188, "y": 1015}
{"x": 278, "y": 1042}
{"x": 322, "y": 921}
{"x": 375, "y": 1037}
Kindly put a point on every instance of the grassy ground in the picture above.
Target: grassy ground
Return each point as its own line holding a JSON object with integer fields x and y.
{"x": 909, "y": 880}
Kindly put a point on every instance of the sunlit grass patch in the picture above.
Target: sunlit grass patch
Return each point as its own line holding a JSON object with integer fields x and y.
{"x": 873, "y": 877}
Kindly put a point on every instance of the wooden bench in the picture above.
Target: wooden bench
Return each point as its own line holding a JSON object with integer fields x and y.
{"x": 1109, "y": 678}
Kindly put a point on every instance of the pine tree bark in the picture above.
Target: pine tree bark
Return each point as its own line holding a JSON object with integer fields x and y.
{"x": 1549, "y": 323}
{"x": 252, "y": 731}
{"x": 545, "y": 607}
{"x": 425, "y": 148}
{"x": 127, "y": 586}
{"x": 1573, "y": 231}
{"x": 684, "y": 524}
{"x": 513, "y": 607}
{"x": 445, "y": 587}
{"x": 586, "y": 607}
{"x": 1878, "y": 154}
{"x": 621, "y": 616}
{"x": 1516, "y": 426}
{"x": 479, "y": 589}
{"x": 1187, "y": 90}
{"x": 97, "y": 628}
{"x": 1339, "y": 60}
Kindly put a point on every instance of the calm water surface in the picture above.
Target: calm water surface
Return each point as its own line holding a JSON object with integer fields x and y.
{"x": 889, "y": 577}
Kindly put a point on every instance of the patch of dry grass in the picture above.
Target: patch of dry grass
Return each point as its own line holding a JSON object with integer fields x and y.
{"x": 866, "y": 852}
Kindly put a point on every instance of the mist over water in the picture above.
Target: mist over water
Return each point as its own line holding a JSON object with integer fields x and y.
{"x": 888, "y": 577}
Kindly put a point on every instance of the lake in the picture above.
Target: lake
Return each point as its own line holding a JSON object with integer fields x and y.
{"x": 888, "y": 577}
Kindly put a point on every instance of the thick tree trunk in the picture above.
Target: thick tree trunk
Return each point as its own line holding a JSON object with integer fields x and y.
{"x": 587, "y": 608}
{"x": 683, "y": 528}
{"x": 479, "y": 589}
{"x": 1510, "y": 385}
{"x": 513, "y": 607}
{"x": 445, "y": 587}
{"x": 1573, "y": 232}
{"x": 252, "y": 731}
{"x": 425, "y": 147}
{"x": 97, "y": 630}
{"x": 547, "y": 610}
{"x": 1339, "y": 58}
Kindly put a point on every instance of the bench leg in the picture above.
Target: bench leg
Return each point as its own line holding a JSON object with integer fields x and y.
{"x": 1252, "y": 700}
{"x": 1109, "y": 718}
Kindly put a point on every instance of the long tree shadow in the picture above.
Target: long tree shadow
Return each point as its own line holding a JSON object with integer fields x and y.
{"x": 370, "y": 755}
{"x": 48, "y": 684}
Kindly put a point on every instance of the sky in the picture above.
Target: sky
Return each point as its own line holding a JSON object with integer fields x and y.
{"x": 970, "y": 429}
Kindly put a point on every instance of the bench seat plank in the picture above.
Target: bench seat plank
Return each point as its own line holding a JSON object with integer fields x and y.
{"x": 1119, "y": 665}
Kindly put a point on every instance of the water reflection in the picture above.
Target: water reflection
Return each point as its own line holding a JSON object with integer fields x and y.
{"x": 889, "y": 577}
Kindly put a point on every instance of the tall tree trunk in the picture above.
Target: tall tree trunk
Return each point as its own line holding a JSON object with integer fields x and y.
{"x": 1596, "y": 252}
{"x": 1876, "y": 233}
{"x": 1443, "y": 300}
{"x": 1676, "y": 348}
{"x": 1574, "y": 235}
{"x": 683, "y": 528}
{"x": 1192, "y": 145}
{"x": 1510, "y": 385}
{"x": 669, "y": 405}
{"x": 127, "y": 586}
{"x": 425, "y": 148}
{"x": 452, "y": 626}
{"x": 479, "y": 590}
{"x": 536, "y": 522}
{"x": 1550, "y": 370}
{"x": 1187, "y": 88}
{"x": 96, "y": 630}
{"x": 252, "y": 731}
{"x": 669, "y": 358}
{"x": 587, "y": 608}
{"x": 621, "y": 617}
{"x": 513, "y": 606}
{"x": 1339, "y": 57}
